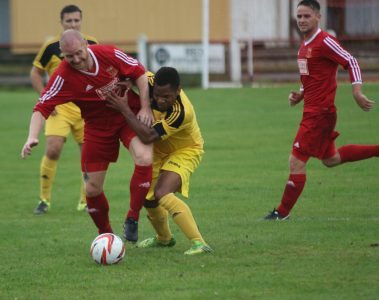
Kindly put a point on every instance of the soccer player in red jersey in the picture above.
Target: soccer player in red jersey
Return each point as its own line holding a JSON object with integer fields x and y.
{"x": 86, "y": 75}
{"x": 318, "y": 59}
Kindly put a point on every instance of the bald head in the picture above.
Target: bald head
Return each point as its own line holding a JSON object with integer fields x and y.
{"x": 74, "y": 50}
{"x": 69, "y": 38}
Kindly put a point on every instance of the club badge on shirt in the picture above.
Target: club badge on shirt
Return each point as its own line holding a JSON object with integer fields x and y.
{"x": 309, "y": 53}
{"x": 112, "y": 71}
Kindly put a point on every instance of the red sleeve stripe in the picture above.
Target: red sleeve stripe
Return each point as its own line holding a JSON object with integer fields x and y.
{"x": 126, "y": 59}
{"x": 353, "y": 64}
{"x": 54, "y": 89}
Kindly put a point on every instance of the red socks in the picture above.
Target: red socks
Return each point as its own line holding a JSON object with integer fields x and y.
{"x": 98, "y": 209}
{"x": 139, "y": 186}
{"x": 357, "y": 152}
{"x": 294, "y": 187}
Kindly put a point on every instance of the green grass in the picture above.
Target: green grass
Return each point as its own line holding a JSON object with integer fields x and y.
{"x": 326, "y": 251}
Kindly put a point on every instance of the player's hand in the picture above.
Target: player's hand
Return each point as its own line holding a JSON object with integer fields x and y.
{"x": 117, "y": 100}
{"x": 123, "y": 87}
{"x": 127, "y": 84}
{"x": 363, "y": 102}
{"x": 145, "y": 115}
{"x": 27, "y": 149}
{"x": 295, "y": 97}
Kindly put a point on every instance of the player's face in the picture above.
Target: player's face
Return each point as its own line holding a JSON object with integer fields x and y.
{"x": 307, "y": 20}
{"x": 165, "y": 96}
{"x": 76, "y": 54}
{"x": 71, "y": 21}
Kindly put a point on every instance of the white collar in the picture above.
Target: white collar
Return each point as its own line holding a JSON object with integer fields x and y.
{"x": 96, "y": 64}
{"x": 307, "y": 42}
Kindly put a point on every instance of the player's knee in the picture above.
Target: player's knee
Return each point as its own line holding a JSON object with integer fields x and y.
{"x": 92, "y": 189}
{"x": 296, "y": 165}
{"x": 144, "y": 158}
{"x": 160, "y": 192}
{"x": 329, "y": 163}
{"x": 53, "y": 152}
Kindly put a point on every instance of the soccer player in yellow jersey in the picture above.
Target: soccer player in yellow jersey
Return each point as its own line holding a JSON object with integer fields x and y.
{"x": 178, "y": 149}
{"x": 66, "y": 118}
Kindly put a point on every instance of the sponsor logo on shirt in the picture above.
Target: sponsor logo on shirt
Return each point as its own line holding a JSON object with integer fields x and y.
{"x": 101, "y": 92}
{"x": 174, "y": 163}
{"x": 296, "y": 145}
{"x": 303, "y": 66}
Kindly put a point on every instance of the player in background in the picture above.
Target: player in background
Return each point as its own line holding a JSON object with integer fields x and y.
{"x": 65, "y": 118}
{"x": 178, "y": 149}
{"x": 86, "y": 74}
{"x": 318, "y": 60}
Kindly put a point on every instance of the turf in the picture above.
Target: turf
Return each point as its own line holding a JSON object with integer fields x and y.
{"x": 329, "y": 249}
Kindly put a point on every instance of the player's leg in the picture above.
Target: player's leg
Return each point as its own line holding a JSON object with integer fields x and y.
{"x": 292, "y": 191}
{"x": 169, "y": 183}
{"x": 351, "y": 153}
{"x": 174, "y": 177}
{"x": 48, "y": 169}
{"x": 57, "y": 128}
{"x": 308, "y": 142}
{"x": 140, "y": 181}
{"x": 95, "y": 160}
{"x": 77, "y": 129}
{"x": 158, "y": 217}
{"x": 97, "y": 203}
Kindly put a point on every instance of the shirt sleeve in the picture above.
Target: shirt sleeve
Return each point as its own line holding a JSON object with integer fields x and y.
{"x": 334, "y": 51}
{"x": 56, "y": 92}
{"x": 43, "y": 56}
{"x": 129, "y": 67}
{"x": 172, "y": 123}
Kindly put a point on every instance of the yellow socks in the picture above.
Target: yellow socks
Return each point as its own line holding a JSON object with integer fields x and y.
{"x": 158, "y": 217}
{"x": 182, "y": 216}
{"x": 48, "y": 170}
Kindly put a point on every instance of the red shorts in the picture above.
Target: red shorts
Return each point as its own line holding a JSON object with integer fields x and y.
{"x": 102, "y": 142}
{"x": 316, "y": 136}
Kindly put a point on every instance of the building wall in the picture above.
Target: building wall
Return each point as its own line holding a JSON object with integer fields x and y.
{"x": 119, "y": 22}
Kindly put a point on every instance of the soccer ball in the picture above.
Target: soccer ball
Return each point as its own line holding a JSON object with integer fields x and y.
{"x": 107, "y": 249}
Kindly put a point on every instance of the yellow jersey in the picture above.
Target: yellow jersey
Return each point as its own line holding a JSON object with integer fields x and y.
{"x": 177, "y": 127}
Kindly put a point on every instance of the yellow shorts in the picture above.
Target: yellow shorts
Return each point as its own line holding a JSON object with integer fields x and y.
{"x": 68, "y": 119}
{"x": 183, "y": 162}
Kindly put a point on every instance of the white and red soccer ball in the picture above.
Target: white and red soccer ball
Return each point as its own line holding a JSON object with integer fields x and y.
{"x": 107, "y": 249}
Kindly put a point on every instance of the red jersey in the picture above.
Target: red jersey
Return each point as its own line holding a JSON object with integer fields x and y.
{"x": 87, "y": 88}
{"x": 318, "y": 60}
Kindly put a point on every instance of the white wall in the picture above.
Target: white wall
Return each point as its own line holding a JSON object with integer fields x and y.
{"x": 265, "y": 20}
{"x": 260, "y": 19}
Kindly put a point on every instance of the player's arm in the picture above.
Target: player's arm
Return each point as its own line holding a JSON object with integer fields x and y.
{"x": 36, "y": 78}
{"x": 361, "y": 99}
{"x": 295, "y": 97}
{"x": 145, "y": 114}
{"x": 334, "y": 51}
{"x": 36, "y": 124}
{"x": 146, "y": 133}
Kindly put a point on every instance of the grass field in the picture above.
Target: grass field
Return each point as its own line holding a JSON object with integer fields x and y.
{"x": 329, "y": 249}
